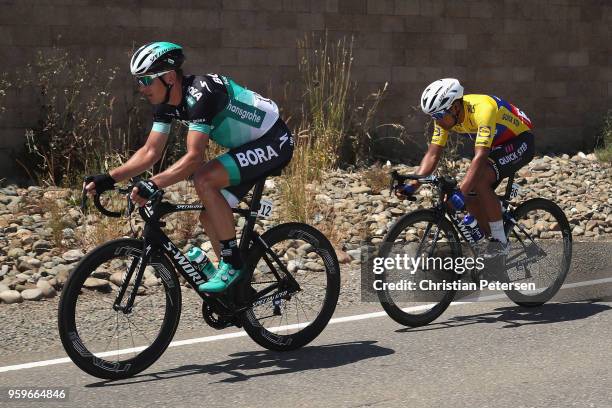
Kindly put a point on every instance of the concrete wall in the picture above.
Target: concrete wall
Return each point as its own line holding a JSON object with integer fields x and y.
{"x": 551, "y": 58}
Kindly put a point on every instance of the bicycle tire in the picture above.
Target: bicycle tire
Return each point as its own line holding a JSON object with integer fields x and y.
{"x": 252, "y": 324}
{"x": 557, "y": 213}
{"x": 71, "y": 335}
{"x": 394, "y": 311}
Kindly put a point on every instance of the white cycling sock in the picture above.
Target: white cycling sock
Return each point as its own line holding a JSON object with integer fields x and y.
{"x": 497, "y": 231}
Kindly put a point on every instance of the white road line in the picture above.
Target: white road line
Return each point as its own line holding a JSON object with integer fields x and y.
{"x": 242, "y": 333}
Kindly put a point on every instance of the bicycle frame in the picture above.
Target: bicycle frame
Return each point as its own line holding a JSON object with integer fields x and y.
{"x": 445, "y": 187}
{"x": 155, "y": 240}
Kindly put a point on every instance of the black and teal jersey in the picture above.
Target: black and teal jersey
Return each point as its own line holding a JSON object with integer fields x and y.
{"x": 213, "y": 104}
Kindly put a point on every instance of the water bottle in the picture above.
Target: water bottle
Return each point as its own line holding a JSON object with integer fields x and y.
{"x": 473, "y": 229}
{"x": 201, "y": 261}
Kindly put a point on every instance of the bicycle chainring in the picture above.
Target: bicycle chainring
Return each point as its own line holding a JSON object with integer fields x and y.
{"x": 215, "y": 320}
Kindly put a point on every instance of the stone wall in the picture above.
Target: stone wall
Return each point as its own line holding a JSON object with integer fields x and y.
{"x": 551, "y": 58}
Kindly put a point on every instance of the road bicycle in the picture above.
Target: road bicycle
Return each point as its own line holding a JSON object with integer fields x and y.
{"x": 536, "y": 267}
{"x": 285, "y": 297}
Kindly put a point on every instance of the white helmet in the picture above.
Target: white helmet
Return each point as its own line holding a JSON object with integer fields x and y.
{"x": 156, "y": 57}
{"x": 440, "y": 95}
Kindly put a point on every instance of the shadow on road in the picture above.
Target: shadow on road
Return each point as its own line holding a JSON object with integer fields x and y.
{"x": 517, "y": 316}
{"x": 246, "y": 365}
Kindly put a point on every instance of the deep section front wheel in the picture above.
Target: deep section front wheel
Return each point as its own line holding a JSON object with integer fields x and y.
{"x": 427, "y": 235}
{"x": 109, "y": 343}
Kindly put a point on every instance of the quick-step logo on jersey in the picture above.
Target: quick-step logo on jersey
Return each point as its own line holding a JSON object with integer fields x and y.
{"x": 256, "y": 156}
{"x": 245, "y": 113}
{"x": 513, "y": 156}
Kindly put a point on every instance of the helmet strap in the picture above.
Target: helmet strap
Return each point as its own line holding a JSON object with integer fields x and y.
{"x": 168, "y": 88}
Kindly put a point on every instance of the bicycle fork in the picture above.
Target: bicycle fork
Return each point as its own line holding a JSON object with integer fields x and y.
{"x": 137, "y": 263}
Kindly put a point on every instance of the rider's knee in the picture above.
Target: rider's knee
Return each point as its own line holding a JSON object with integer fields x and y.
{"x": 205, "y": 184}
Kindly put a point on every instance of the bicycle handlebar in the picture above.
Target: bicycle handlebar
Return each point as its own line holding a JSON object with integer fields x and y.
{"x": 446, "y": 184}
{"x": 125, "y": 191}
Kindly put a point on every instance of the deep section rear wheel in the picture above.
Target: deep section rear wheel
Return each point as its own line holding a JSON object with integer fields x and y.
{"x": 540, "y": 252}
{"x": 107, "y": 343}
{"x": 290, "y": 319}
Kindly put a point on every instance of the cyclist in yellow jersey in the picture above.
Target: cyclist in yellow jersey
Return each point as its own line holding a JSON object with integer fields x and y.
{"x": 503, "y": 144}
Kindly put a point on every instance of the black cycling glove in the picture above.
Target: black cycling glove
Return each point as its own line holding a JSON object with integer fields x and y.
{"x": 147, "y": 189}
{"x": 103, "y": 182}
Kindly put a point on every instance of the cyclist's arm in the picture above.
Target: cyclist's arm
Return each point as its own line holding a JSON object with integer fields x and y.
{"x": 197, "y": 142}
{"x": 143, "y": 159}
{"x": 429, "y": 161}
{"x": 485, "y": 117}
{"x": 477, "y": 167}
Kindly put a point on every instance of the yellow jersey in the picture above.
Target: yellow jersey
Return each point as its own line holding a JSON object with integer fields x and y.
{"x": 490, "y": 120}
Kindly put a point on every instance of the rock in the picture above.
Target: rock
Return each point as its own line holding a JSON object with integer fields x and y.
{"x": 46, "y": 288}
{"x": 354, "y": 253}
{"x": 41, "y": 246}
{"x": 343, "y": 257}
{"x": 116, "y": 278}
{"x": 11, "y": 296}
{"x": 4, "y": 270}
{"x": 578, "y": 230}
{"x": 292, "y": 266}
{"x": 15, "y": 253}
{"x": 360, "y": 190}
{"x": 3, "y": 287}
{"x": 73, "y": 255}
{"x": 68, "y": 233}
{"x": 32, "y": 294}
{"x": 96, "y": 284}
{"x": 151, "y": 282}
{"x": 582, "y": 208}
{"x": 314, "y": 266}
{"x": 539, "y": 165}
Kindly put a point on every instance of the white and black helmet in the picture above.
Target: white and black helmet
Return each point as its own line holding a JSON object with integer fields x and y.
{"x": 440, "y": 95}
{"x": 156, "y": 57}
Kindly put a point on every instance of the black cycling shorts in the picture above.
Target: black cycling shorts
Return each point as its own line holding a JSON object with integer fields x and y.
{"x": 508, "y": 158}
{"x": 251, "y": 162}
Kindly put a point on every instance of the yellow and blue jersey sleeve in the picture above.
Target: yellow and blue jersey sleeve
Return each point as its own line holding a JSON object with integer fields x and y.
{"x": 490, "y": 120}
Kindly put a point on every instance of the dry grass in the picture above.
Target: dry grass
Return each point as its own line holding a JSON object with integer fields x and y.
{"x": 299, "y": 183}
{"x": 97, "y": 228}
{"x": 377, "y": 178}
{"x": 56, "y": 221}
{"x": 604, "y": 153}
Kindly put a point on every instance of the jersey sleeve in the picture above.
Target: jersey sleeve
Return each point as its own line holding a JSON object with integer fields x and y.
{"x": 440, "y": 135}
{"x": 485, "y": 118}
{"x": 206, "y": 98}
{"x": 161, "y": 119}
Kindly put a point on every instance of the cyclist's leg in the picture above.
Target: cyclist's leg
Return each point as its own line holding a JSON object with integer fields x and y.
{"x": 243, "y": 166}
{"x": 209, "y": 229}
{"x": 209, "y": 180}
{"x": 504, "y": 161}
{"x": 484, "y": 205}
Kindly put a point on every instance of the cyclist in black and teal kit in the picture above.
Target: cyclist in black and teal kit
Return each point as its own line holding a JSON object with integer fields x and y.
{"x": 213, "y": 107}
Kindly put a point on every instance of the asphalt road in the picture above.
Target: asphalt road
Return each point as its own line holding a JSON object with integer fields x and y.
{"x": 476, "y": 355}
{"x": 484, "y": 354}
